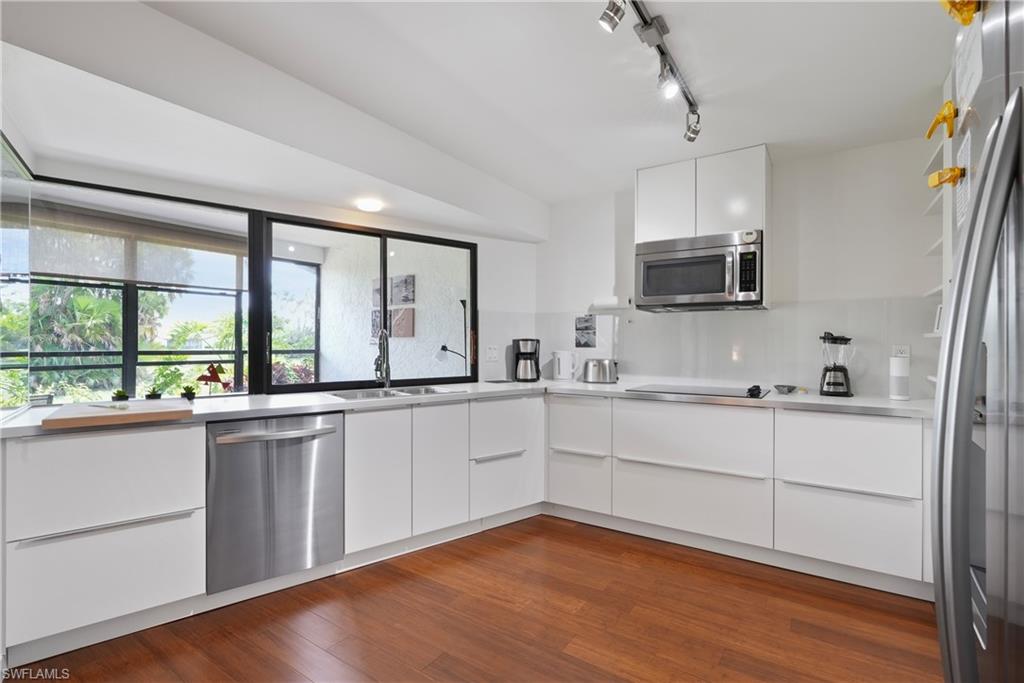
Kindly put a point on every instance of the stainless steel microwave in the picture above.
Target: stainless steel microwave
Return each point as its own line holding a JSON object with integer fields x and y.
{"x": 701, "y": 273}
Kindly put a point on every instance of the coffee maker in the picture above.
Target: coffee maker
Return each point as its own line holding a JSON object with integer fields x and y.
{"x": 527, "y": 359}
{"x": 837, "y": 353}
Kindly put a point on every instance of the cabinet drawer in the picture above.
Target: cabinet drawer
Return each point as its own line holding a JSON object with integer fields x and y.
{"x": 71, "y": 581}
{"x": 859, "y": 530}
{"x": 580, "y": 481}
{"x": 723, "y": 506}
{"x": 504, "y": 483}
{"x": 76, "y": 481}
{"x": 580, "y": 423}
{"x": 497, "y": 425}
{"x": 725, "y": 438}
{"x": 865, "y": 453}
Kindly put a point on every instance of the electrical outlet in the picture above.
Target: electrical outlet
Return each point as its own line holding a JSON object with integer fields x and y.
{"x": 492, "y": 354}
{"x": 901, "y": 350}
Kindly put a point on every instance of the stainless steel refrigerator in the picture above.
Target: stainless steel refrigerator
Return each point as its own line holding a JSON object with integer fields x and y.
{"x": 978, "y": 521}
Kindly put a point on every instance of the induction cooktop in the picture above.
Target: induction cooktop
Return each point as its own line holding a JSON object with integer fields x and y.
{"x": 754, "y": 391}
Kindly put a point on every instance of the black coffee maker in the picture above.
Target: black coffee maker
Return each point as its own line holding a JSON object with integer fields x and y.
{"x": 527, "y": 359}
{"x": 837, "y": 351}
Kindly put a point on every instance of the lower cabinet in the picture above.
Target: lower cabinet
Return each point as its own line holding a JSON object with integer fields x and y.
{"x": 737, "y": 508}
{"x": 378, "y": 477}
{"x": 440, "y": 466}
{"x": 79, "y": 578}
{"x": 880, "y": 533}
{"x": 579, "y": 452}
{"x": 506, "y": 468}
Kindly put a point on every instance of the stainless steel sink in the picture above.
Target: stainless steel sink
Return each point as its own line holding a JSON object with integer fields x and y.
{"x": 364, "y": 394}
{"x": 424, "y": 391}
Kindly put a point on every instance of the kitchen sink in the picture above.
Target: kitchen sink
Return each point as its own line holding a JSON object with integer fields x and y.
{"x": 363, "y": 394}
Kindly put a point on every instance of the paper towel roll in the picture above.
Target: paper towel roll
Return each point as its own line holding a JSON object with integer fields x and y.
{"x": 607, "y": 303}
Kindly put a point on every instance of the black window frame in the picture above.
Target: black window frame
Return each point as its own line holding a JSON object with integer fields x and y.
{"x": 266, "y": 238}
{"x": 260, "y": 257}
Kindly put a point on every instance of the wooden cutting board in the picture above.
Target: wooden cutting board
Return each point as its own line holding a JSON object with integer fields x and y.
{"x": 104, "y": 413}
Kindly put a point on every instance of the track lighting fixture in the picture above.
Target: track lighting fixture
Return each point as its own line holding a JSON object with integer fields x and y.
{"x": 667, "y": 83}
{"x": 692, "y": 127}
{"x": 612, "y": 15}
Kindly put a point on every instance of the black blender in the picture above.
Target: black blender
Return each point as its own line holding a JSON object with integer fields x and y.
{"x": 835, "y": 376}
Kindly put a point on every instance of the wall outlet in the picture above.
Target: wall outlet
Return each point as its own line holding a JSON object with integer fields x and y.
{"x": 901, "y": 350}
{"x": 492, "y": 354}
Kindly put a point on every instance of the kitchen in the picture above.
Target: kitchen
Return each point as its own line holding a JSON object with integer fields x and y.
{"x": 655, "y": 362}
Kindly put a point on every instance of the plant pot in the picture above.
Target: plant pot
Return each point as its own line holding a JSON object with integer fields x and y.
{"x": 119, "y": 398}
{"x": 188, "y": 396}
{"x": 153, "y": 397}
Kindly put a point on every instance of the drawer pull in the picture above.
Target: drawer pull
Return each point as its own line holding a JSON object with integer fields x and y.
{"x": 503, "y": 397}
{"x": 498, "y": 456}
{"x": 844, "y": 489}
{"x": 692, "y": 468}
{"x": 252, "y": 437}
{"x": 576, "y": 451}
{"x": 164, "y": 516}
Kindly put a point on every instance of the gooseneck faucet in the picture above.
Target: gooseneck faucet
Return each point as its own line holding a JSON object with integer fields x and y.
{"x": 382, "y": 364}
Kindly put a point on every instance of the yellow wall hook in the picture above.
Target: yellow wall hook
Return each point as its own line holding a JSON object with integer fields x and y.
{"x": 946, "y": 114}
{"x": 947, "y": 176}
{"x": 961, "y": 10}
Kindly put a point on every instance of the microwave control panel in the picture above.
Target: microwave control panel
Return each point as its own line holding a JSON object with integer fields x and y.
{"x": 748, "y": 271}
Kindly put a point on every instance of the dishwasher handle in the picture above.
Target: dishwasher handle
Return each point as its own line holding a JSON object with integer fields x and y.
{"x": 252, "y": 437}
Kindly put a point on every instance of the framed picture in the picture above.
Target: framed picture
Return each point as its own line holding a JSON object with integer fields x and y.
{"x": 403, "y": 290}
{"x": 586, "y": 331}
{"x": 403, "y": 322}
{"x": 376, "y": 292}
{"x": 375, "y": 321}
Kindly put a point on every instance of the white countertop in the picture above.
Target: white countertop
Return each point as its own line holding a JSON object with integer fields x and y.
{"x": 256, "y": 406}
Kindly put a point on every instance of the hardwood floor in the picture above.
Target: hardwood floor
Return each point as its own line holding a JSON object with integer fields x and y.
{"x": 544, "y": 599}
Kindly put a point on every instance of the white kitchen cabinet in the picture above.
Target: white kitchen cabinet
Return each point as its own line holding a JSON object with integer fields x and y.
{"x": 866, "y": 453}
{"x": 506, "y": 455}
{"x": 440, "y": 466}
{"x": 579, "y": 452}
{"x": 665, "y": 208}
{"x": 731, "y": 192}
{"x": 928, "y": 467}
{"x": 84, "y": 577}
{"x": 73, "y": 481}
{"x": 878, "y": 533}
{"x": 378, "y": 477}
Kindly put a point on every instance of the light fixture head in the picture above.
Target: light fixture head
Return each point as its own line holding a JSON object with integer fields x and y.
{"x": 667, "y": 82}
{"x": 692, "y": 127}
{"x": 612, "y": 15}
{"x": 369, "y": 204}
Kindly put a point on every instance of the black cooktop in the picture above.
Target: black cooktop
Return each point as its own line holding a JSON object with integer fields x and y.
{"x": 754, "y": 391}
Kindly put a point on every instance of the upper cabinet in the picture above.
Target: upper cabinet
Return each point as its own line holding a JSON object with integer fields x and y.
{"x": 665, "y": 206}
{"x": 726, "y": 192}
{"x": 732, "y": 191}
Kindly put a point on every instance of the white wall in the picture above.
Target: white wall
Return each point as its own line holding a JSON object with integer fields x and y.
{"x": 848, "y": 256}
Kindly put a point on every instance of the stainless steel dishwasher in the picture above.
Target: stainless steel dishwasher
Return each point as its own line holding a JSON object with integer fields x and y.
{"x": 274, "y": 498}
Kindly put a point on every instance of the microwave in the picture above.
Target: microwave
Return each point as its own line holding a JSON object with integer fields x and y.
{"x": 711, "y": 272}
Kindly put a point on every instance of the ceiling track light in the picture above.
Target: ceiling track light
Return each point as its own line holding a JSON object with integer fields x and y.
{"x": 612, "y": 15}
{"x": 652, "y": 30}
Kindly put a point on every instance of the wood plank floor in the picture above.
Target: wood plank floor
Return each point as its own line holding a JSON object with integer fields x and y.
{"x": 544, "y": 599}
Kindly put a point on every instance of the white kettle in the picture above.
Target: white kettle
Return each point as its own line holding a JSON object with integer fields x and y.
{"x": 565, "y": 365}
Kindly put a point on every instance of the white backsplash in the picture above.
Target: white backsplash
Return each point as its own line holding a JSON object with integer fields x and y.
{"x": 779, "y": 346}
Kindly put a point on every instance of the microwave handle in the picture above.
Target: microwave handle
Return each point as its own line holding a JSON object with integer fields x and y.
{"x": 730, "y": 268}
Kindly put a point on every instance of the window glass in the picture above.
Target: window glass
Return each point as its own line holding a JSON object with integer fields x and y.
{"x": 429, "y": 309}
{"x": 349, "y": 298}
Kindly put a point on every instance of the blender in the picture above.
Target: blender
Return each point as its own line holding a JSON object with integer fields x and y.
{"x": 838, "y": 353}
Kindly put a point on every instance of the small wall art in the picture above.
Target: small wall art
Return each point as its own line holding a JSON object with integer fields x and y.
{"x": 586, "y": 331}
{"x": 403, "y": 290}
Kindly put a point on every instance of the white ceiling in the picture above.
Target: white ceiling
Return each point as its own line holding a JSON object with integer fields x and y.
{"x": 539, "y": 96}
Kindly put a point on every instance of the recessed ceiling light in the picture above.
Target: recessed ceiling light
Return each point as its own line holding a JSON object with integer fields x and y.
{"x": 612, "y": 15}
{"x": 370, "y": 204}
{"x": 291, "y": 247}
{"x": 391, "y": 253}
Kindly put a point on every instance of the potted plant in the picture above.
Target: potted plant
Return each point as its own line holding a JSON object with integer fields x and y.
{"x": 188, "y": 391}
{"x": 153, "y": 393}
{"x": 119, "y": 395}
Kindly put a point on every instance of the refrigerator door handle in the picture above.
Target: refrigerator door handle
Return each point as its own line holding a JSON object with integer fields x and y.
{"x": 955, "y": 392}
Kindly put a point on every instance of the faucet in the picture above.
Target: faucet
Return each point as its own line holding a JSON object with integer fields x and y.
{"x": 382, "y": 364}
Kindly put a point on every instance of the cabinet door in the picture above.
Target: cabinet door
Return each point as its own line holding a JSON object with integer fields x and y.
{"x": 871, "y": 532}
{"x": 580, "y": 446}
{"x": 665, "y": 208}
{"x": 504, "y": 478}
{"x": 731, "y": 191}
{"x": 378, "y": 477}
{"x": 440, "y": 466}
{"x": 85, "y": 577}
